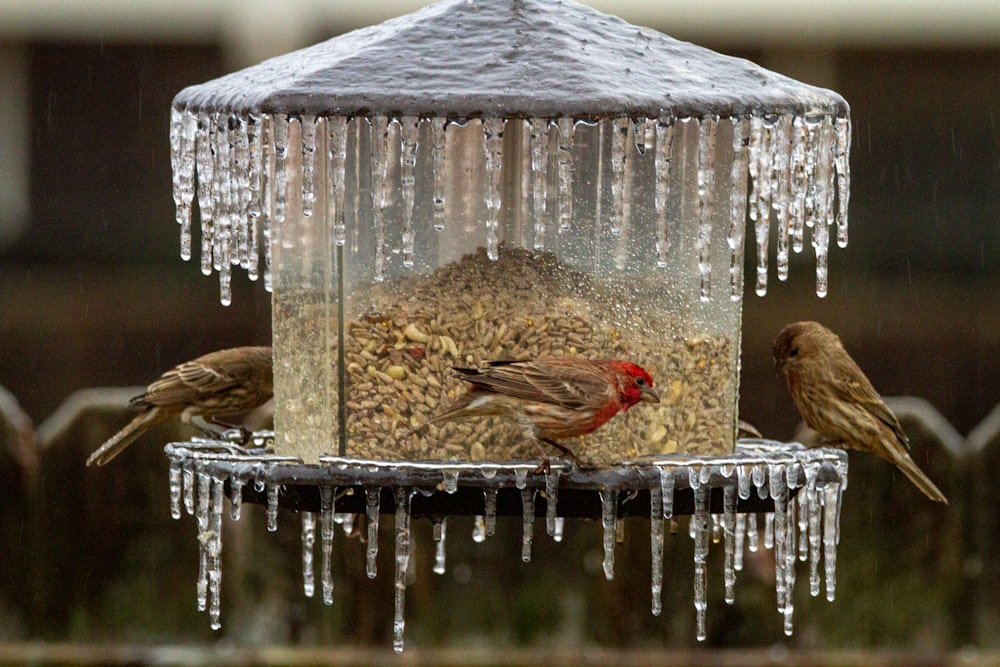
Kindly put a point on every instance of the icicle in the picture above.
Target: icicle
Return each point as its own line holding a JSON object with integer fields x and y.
{"x": 842, "y": 163}
{"x": 779, "y": 492}
{"x": 539, "y": 173}
{"x": 188, "y": 488}
{"x": 439, "y": 127}
{"x": 280, "y": 175}
{"x": 760, "y": 481}
{"x": 760, "y": 197}
{"x": 409, "y": 131}
{"x": 272, "y": 507}
{"x": 337, "y": 157}
{"x": 740, "y": 535}
{"x": 667, "y": 491}
{"x": 403, "y": 497}
{"x": 254, "y": 199}
{"x": 701, "y": 520}
{"x": 450, "y": 480}
{"x": 380, "y": 187}
{"x": 706, "y": 201}
{"x": 789, "y": 607}
{"x": 769, "y": 530}
{"x": 308, "y": 164}
{"x": 781, "y": 188}
{"x": 664, "y": 143}
{"x": 183, "y": 135}
{"x": 372, "y": 497}
{"x": 203, "y": 536}
{"x": 619, "y": 135}
{"x": 308, "y": 540}
{"x": 215, "y": 553}
{"x": 557, "y": 530}
{"x": 490, "y": 510}
{"x": 551, "y": 500}
{"x": 479, "y": 529}
{"x": 831, "y": 528}
{"x": 729, "y": 528}
{"x": 823, "y": 203}
{"x": 738, "y": 208}
{"x": 239, "y": 191}
{"x": 743, "y": 481}
{"x": 176, "y": 483}
{"x": 802, "y": 505}
{"x": 656, "y": 546}
{"x": 520, "y": 478}
{"x": 609, "y": 521}
{"x": 346, "y": 521}
{"x": 493, "y": 131}
{"x": 799, "y": 173}
{"x": 814, "y": 512}
{"x": 440, "y": 533}
{"x": 753, "y": 540}
{"x": 235, "y": 496}
{"x": 564, "y": 164}
{"x": 527, "y": 522}
{"x": 326, "y": 511}
{"x": 267, "y": 192}
{"x": 206, "y": 206}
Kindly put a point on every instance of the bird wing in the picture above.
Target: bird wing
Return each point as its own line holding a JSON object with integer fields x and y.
{"x": 567, "y": 385}
{"x": 864, "y": 395}
{"x": 185, "y": 383}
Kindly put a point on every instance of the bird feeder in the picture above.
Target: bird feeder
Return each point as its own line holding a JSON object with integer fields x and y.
{"x": 505, "y": 179}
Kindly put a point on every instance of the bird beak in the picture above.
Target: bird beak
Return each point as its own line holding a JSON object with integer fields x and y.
{"x": 649, "y": 395}
{"x": 779, "y": 366}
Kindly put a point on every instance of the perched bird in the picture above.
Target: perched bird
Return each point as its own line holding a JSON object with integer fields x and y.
{"x": 836, "y": 400}
{"x": 552, "y": 398}
{"x": 218, "y": 384}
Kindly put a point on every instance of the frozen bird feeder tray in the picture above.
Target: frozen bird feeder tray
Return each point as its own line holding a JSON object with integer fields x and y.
{"x": 798, "y": 491}
{"x": 504, "y": 179}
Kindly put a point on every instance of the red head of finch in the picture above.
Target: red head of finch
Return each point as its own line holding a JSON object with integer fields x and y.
{"x": 836, "y": 399}
{"x": 553, "y": 398}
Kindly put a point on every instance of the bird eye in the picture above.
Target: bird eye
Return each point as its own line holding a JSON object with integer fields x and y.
{"x": 794, "y": 352}
{"x": 641, "y": 382}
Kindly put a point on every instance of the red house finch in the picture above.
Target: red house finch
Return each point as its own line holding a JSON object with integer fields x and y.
{"x": 836, "y": 399}
{"x": 218, "y": 384}
{"x": 552, "y": 398}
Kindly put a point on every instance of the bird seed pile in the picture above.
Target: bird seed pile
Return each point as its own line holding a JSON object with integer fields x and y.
{"x": 409, "y": 334}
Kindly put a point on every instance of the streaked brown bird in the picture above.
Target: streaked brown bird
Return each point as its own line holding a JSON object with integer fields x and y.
{"x": 218, "y": 384}
{"x": 555, "y": 398}
{"x": 837, "y": 400}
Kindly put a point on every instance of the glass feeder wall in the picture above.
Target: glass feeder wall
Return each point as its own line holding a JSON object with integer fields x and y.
{"x": 402, "y": 247}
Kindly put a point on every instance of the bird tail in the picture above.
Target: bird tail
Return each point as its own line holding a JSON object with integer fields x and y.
{"x": 125, "y": 437}
{"x": 916, "y": 475}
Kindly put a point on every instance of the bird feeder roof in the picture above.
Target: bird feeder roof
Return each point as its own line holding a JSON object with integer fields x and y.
{"x": 508, "y": 58}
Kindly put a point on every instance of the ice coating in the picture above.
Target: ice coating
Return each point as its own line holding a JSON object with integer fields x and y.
{"x": 551, "y": 500}
{"x": 785, "y": 170}
{"x": 802, "y": 528}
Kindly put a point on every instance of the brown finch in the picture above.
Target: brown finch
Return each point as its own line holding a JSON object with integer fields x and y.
{"x": 837, "y": 401}
{"x": 218, "y": 384}
{"x": 552, "y": 398}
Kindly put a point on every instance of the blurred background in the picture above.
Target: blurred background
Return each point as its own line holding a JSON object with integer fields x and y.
{"x": 93, "y": 294}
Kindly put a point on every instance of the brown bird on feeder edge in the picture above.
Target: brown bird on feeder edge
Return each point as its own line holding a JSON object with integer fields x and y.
{"x": 837, "y": 401}
{"x": 217, "y": 384}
